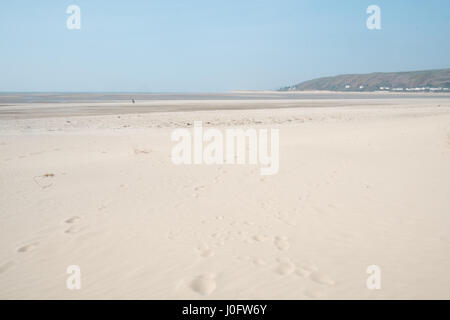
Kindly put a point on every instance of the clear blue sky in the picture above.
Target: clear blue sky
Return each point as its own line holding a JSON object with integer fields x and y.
{"x": 212, "y": 45}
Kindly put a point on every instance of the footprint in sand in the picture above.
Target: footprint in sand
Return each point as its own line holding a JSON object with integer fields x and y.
{"x": 138, "y": 151}
{"x": 215, "y": 235}
{"x": 282, "y": 243}
{"x": 305, "y": 269}
{"x": 205, "y": 251}
{"x": 285, "y": 267}
{"x": 259, "y": 262}
{"x": 173, "y": 234}
{"x": 74, "y": 228}
{"x": 44, "y": 181}
{"x": 322, "y": 279}
{"x": 259, "y": 238}
{"x": 264, "y": 205}
{"x": 197, "y": 191}
{"x": 6, "y": 266}
{"x": 72, "y": 220}
{"x": 28, "y": 247}
{"x": 280, "y": 217}
{"x": 199, "y": 188}
{"x": 203, "y": 284}
{"x": 302, "y": 272}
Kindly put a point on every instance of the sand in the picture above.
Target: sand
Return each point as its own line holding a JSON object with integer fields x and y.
{"x": 360, "y": 184}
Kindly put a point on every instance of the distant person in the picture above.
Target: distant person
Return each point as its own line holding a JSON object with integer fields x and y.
{"x": 132, "y": 100}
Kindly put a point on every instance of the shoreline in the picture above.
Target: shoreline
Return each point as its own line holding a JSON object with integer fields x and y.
{"x": 65, "y": 109}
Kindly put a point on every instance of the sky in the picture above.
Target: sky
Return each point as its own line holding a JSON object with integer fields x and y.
{"x": 212, "y": 45}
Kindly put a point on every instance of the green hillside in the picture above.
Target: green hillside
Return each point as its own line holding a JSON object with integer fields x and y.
{"x": 428, "y": 80}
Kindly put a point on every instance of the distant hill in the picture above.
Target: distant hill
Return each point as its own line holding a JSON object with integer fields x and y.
{"x": 428, "y": 80}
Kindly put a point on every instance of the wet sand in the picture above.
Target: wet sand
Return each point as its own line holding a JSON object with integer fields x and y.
{"x": 19, "y": 106}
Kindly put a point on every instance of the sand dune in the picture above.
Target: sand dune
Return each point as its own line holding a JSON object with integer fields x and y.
{"x": 358, "y": 185}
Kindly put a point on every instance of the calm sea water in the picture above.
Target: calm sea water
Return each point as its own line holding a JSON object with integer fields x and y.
{"x": 20, "y": 98}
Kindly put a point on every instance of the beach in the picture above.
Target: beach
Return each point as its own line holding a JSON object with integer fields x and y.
{"x": 361, "y": 182}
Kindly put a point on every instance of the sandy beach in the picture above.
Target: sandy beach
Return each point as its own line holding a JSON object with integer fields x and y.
{"x": 361, "y": 182}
